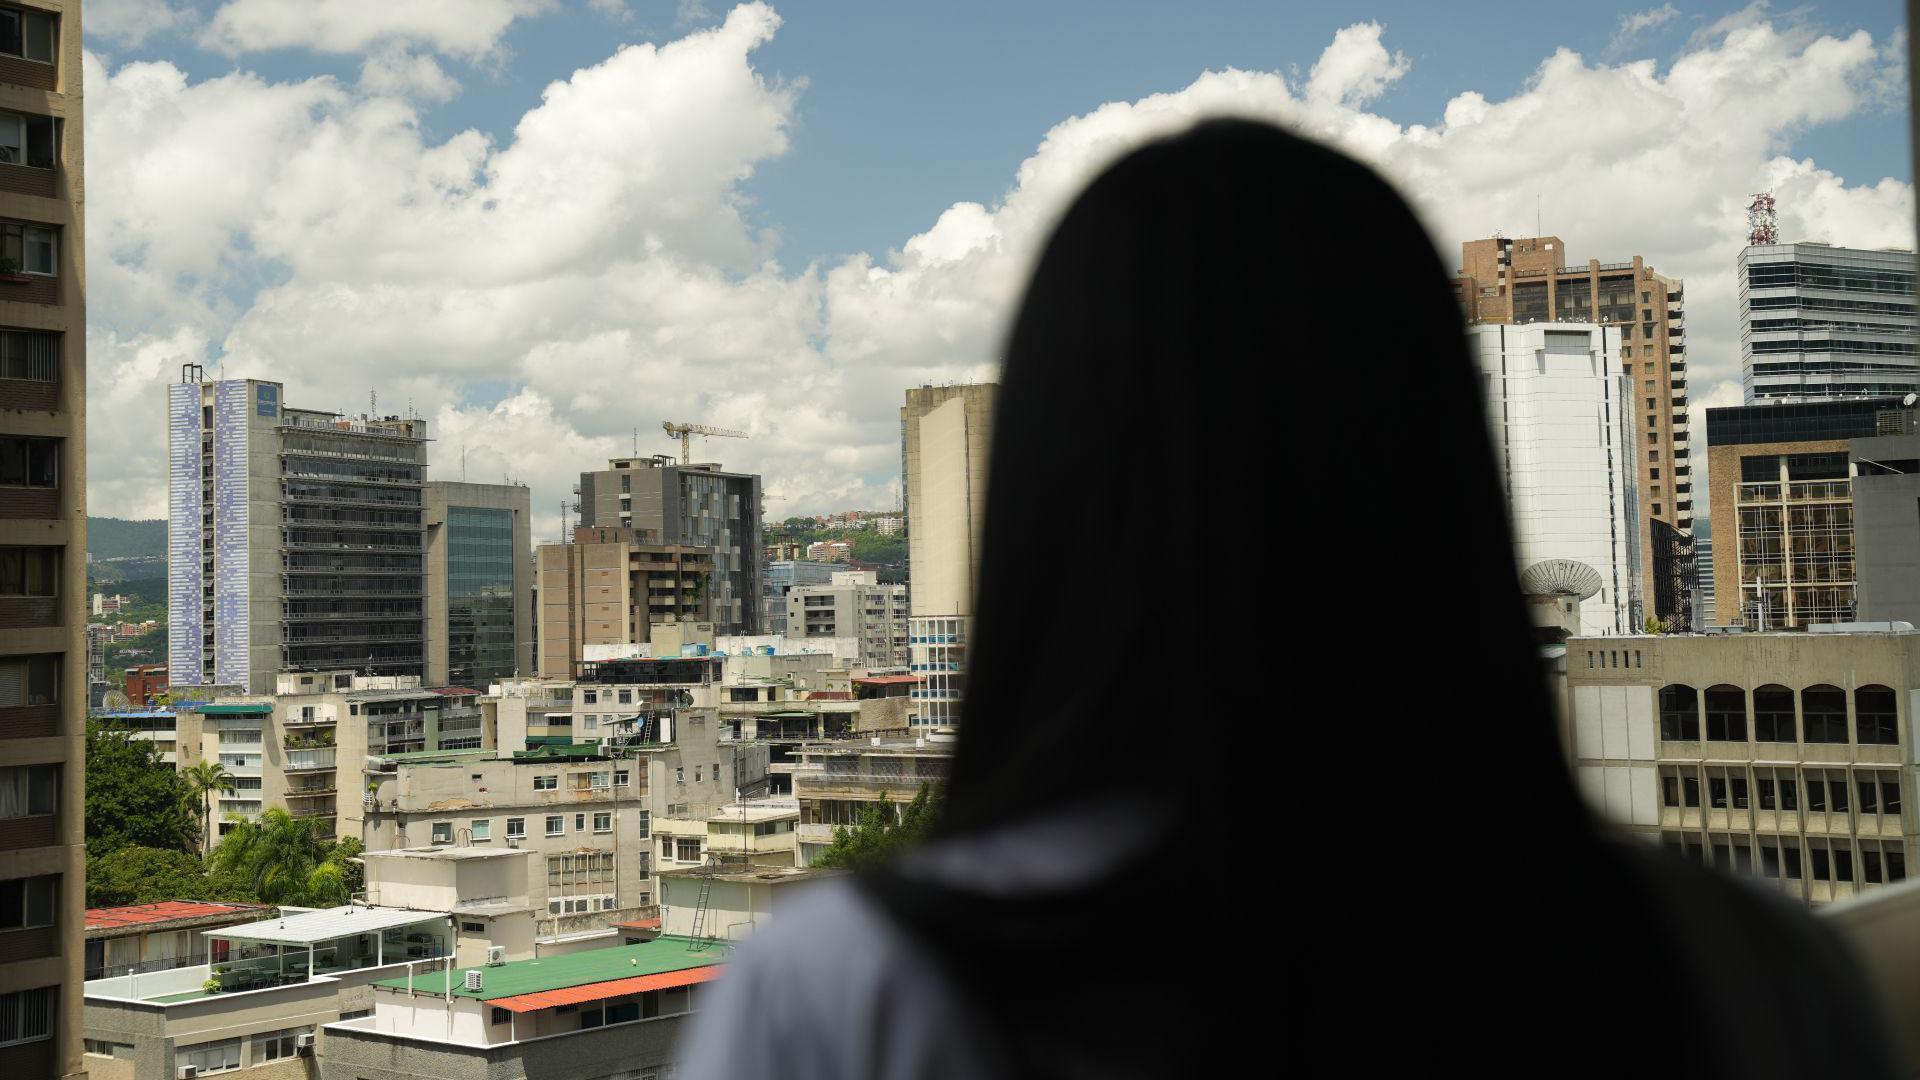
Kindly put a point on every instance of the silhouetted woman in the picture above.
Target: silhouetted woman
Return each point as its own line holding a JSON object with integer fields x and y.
{"x": 1257, "y": 760}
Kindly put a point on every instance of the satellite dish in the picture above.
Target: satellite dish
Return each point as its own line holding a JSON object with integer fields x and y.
{"x": 116, "y": 701}
{"x": 1909, "y": 400}
{"x": 1560, "y": 577}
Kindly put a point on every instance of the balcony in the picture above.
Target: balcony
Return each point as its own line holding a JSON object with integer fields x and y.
{"x": 310, "y": 760}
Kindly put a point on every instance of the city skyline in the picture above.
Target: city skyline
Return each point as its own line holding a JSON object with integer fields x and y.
{"x": 339, "y": 231}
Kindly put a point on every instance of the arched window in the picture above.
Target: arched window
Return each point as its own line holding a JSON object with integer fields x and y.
{"x": 1824, "y": 709}
{"x": 1773, "y": 719}
{"x": 1876, "y": 720}
{"x": 1726, "y": 713}
{"x": 1679, "y": 713}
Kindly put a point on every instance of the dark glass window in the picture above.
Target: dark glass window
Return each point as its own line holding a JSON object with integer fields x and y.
{"x": 1773, "y": 719}
{"x": 1825, "y": 711}
{"x": 1876, "y": 718}
{"x": 1679, "y": 713}
{"x": 1726, "y": 714}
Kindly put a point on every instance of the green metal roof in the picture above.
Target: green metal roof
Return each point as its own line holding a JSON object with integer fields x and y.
{"x": 560, "y": 750}
{"x": 438, "y": 755}
{"x": 255, "y": 709}
{"x": 654, "y": 957}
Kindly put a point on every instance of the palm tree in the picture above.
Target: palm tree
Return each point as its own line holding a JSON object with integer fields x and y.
{"x": 286, "y": 860}
{"x": 203, "y": 779}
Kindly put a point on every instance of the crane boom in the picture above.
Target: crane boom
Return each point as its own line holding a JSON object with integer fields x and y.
{"x": 685, "y": 432}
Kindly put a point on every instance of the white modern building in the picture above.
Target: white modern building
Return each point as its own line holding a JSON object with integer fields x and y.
{"x": 1560, "y": 409}
{"x": 1820, "y": 322}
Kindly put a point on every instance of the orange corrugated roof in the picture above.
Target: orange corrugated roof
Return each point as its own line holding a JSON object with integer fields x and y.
{"x": 600, "y": 991}
{"x": 165, "y": 911}
{"x": 640, "y": 924}
{"x": 886, "y": 680}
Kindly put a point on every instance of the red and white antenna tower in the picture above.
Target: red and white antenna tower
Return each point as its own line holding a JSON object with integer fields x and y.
{"x": 1761, "y": 227}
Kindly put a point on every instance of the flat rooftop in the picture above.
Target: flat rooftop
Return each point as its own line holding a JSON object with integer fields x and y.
{"x": 168, "y": 915}
{"x": 326, "y": 924}
{"x": 589, "y": 967}
{"x": 765, "y": 875}
{"x": 447, "y": 853}
{"x": 756, "y": 811}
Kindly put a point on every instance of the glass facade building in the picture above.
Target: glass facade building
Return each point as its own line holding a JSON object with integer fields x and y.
{"x": 480, "y": 595}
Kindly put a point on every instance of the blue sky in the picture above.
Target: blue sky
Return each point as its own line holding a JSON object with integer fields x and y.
{"x": 911, "y": 107}
{"x": 777, "y": 218}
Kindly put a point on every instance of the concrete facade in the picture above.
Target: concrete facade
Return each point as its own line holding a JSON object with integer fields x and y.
{"x": 1789, "y": 756}
{"x": 479, "y": 583}
{"x": 699, "y": 506}
{"x": 1529, "y": 280}
{"x": 854, "y": 604}
{"x": 946, "y": 437}
{"x": 1886, "y": 523}
{"x": 610, "y": 587}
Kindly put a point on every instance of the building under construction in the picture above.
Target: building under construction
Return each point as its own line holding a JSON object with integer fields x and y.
{"x": 1528, "y": 280}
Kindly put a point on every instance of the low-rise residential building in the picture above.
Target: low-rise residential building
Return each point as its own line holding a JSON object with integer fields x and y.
{"x": 757, "y": 832}
{"x": 834, "y": 781}
{"x": 156, "y": 726}
{"x": 611, "y": 1012}
{"x": 737, "y": 900}
{"x": 155, "y": 937}
{"x": 269, "y": 987}
{"x": 1785, "y": 756}
{"x": 582, "y": 817}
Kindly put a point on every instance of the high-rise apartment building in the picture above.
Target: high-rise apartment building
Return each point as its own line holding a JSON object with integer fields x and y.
{"x": 610, "y": 588}
{"x": 479, "y": 583}
{"x": 688, "y": 506}
{"x": 781, "y": 576}
{"x": 854, "y": 605}
{"x": 1528, "y": 280}
{"x": 1565, "y": 449}
{"x": 946, "y": 433}
{"x": 43, "y": 542}
{"x": 1820, "y": 322}
{"x": 293, "y": 538}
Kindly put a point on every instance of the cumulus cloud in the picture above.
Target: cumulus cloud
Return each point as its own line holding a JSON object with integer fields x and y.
{"x": 399, "y": 72}
{"x": 548, "y": 300}
{"x": 132, "y": 22}
{"x": 466, "y": 28}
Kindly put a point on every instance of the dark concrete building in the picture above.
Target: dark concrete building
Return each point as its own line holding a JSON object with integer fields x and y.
{"x": 1886, "y": 519}
{"x": 696, "y": 505}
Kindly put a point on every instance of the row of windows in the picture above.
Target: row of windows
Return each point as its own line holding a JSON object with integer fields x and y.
{"x": 556, "y": 825}
{"x": 1836, "y": 345}
{"x": 1821, "y": 276}
{"x": 1783, "y": 857}
{"x": 1826, "y": 791}
{"x": 1822, "y": 716}
{"x": 1823, "y": 303}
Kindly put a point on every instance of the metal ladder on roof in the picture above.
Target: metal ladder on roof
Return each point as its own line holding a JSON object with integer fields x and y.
{"x": 700, "y": 914}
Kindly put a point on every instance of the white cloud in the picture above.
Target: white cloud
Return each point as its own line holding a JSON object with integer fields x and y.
{"x": 598, "y": 272}
{"x": 132, "y": 22}
{"x": 398, "y": 72}
{"x": 1633, "y": 24}
{"x": 465, "y": 28}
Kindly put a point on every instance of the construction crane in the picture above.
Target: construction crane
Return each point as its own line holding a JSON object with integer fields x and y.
{"x": 686, "y": 431}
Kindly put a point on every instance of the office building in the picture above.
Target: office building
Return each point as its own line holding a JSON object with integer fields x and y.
{"x": 293, "y": 538}
{"x": 1886, "y": 491}
{"x": 1703, "y": 605}
{"x": 688, "y": 506}
{"x": 1564, "y": 442}
{"x": 946, "y": 434}
{"x": 44, "y": 687}
{"x": 1784, "y": 756}
{"x": 781, "y": 576}
{"x": 854, "y": 604}
{"x": 479, "y": 583}
{"x": 1783, "y": 513}
{"x": 1819, "y": 322}
{"x": 1528, "y": 280}
{"x": 611, "y": 587}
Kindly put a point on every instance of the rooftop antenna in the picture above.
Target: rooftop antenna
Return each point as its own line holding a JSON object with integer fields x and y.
{"x": 373, "y": 404}
{"x": 1762, "y": 225}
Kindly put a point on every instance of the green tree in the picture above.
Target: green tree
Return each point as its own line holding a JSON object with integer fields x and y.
{"x": 144, "y": 875}
{"x": 203, "y": 779}
{"x": 281, "y": 859}
{"x": 881, "y": 832}
{"x": 133, "y": 798}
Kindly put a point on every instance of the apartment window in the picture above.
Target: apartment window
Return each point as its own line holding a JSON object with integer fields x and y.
{"x": 579, "y": 781}
{"x": 579, "y": 823}
{"x": 1726, "y": 713}
{"x": 103, "y": 1048}
{"x": 29, "y": 903}
{"x": 687, "y": 850}
{"x": 621, "y": 778}
{"x": 30, "y": 355}
{"x": 556, "y": 825}
{"x": 590, "y": 721}
{"x": 26, "y": 1015}
{"x": 1653, "y": 455}
{"x": 1825, "y": 711}
{"x": 482, "y": 828}
{"x": 276, "y": 1045}
{"x": 1650, "y": 405}
{"x": 501, "y": 1016}
{"x": 26, "y": 140}
{"x": 27, "y": 249}
{"x": 1773, "y": 719}
{"x": 1876, "y": 719}
{"x": 29, "y": 571}
{"x": 696, "y": 774}
{"x": 680, "y": 774}
{"x": 546, "y": 783}
{"x": 29, "y": 790}
{"x": 516, "y": 828}
{"x": 29, "y": 462}
{"x": 473, "y": 927}
{"x": 443, "y": 832}
{"x": 209, "y": 1057}
{"x": 603, "y": 823}
{"x": 626, "y": 697}
{"x": 27, "y": 34}
{"x": 1655, "y": 473}
{"x": 589, "y": 697}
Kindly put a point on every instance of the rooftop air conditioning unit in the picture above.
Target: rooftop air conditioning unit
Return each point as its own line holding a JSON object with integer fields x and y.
{"x": 187, "y": 1072}
{"x": 473, "y": 979}
{"x": 496, "y": 955}
{"x": 303, "y": 1043}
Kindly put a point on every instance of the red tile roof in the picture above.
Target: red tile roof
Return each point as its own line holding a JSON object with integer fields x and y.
{"x": 601, "y": 991}
{"x": 886, "y": 680}
{"x": 454, "y": 691}
{"x": 165, "y": 911}
{"x": 640, "y": 924}
{"x": 830, "y": 695}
